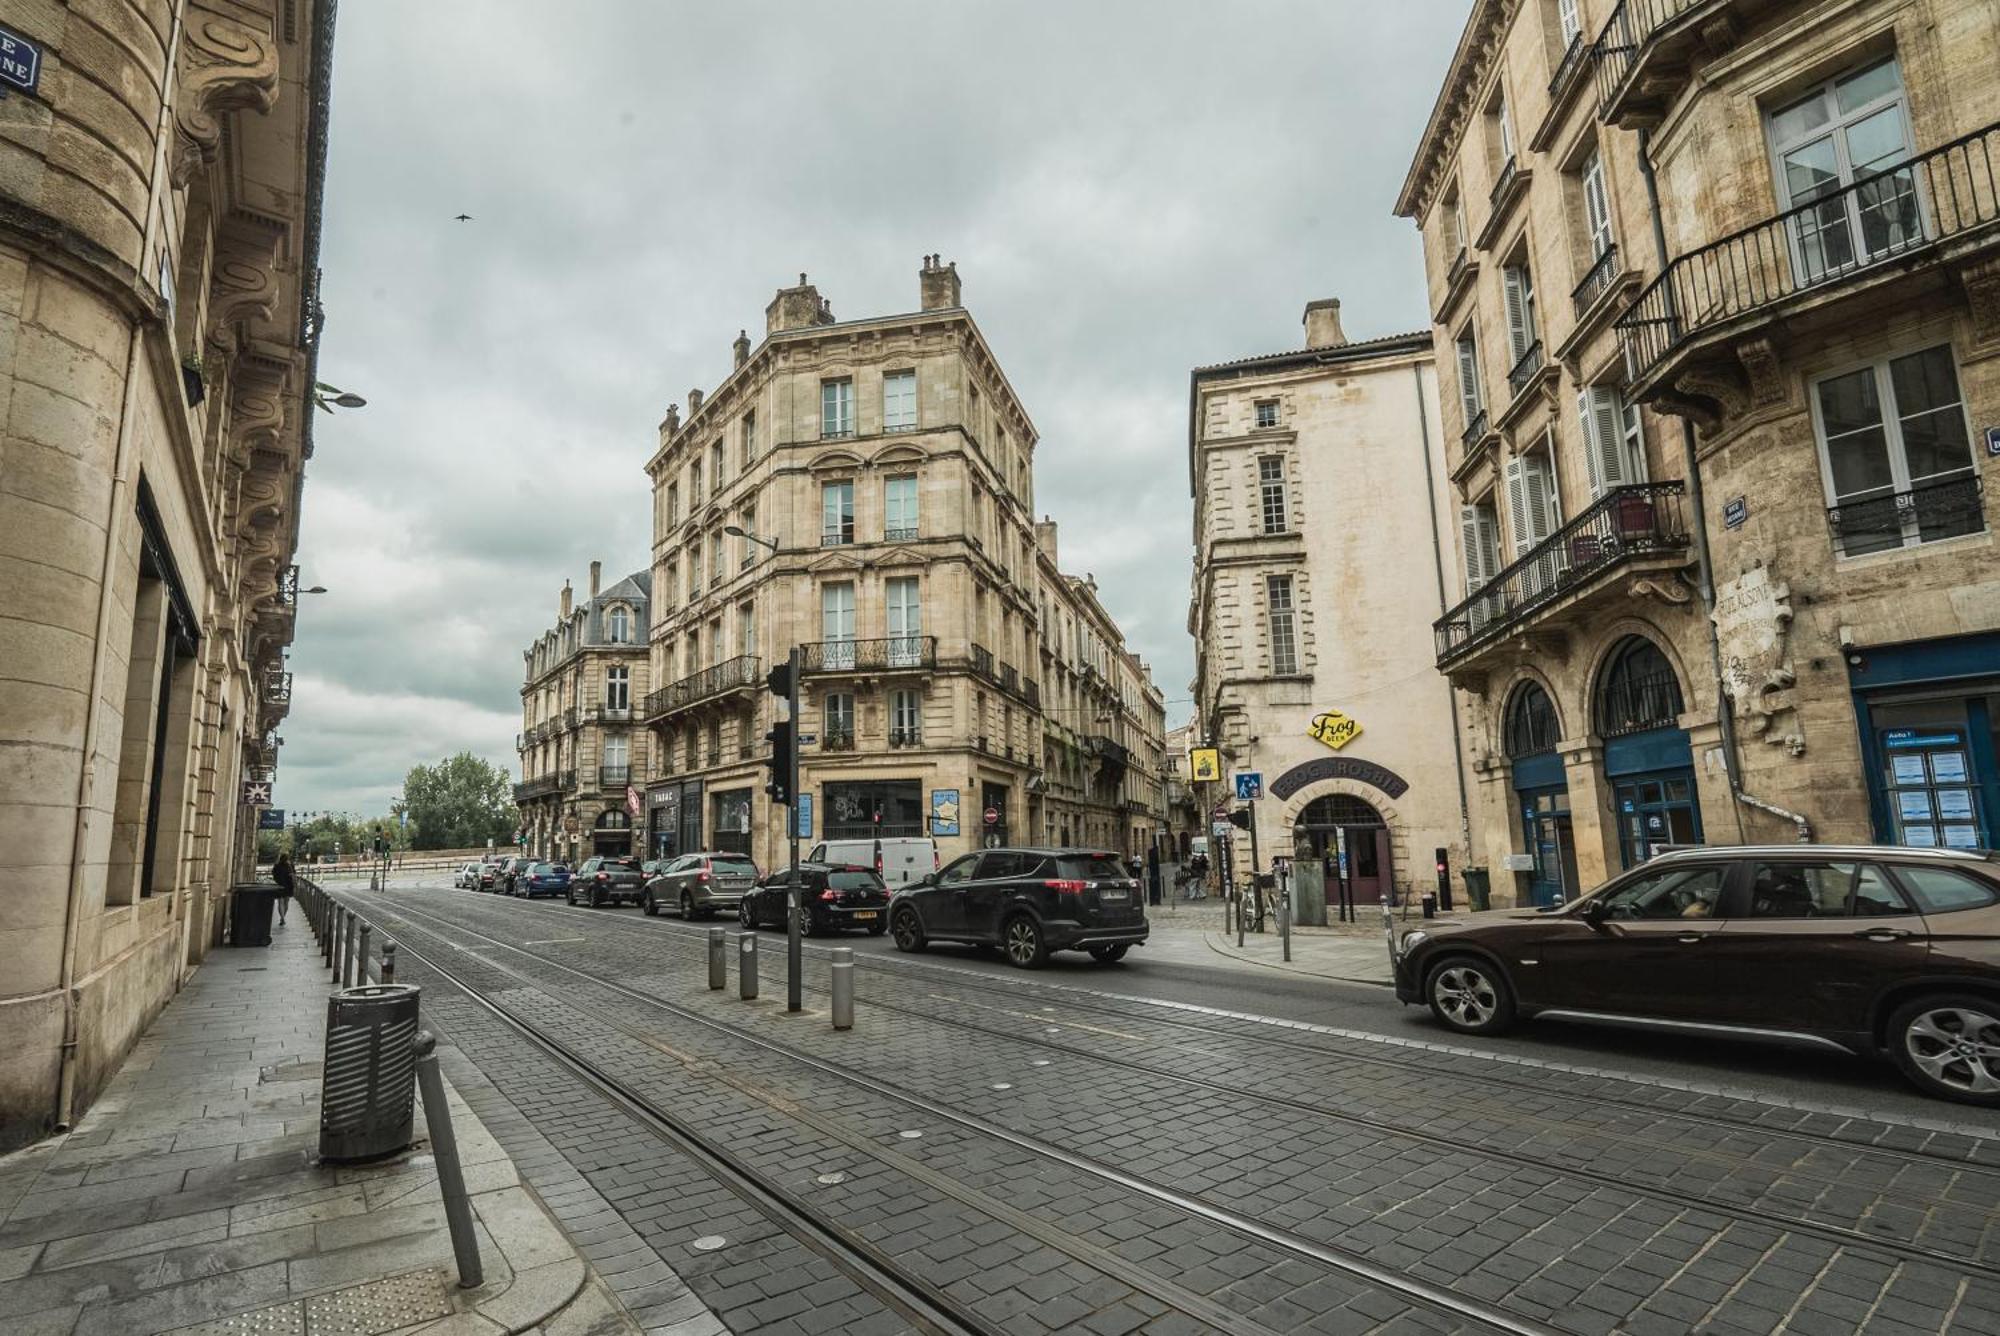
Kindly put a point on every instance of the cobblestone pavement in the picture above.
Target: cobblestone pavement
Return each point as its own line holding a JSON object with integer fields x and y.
{"x": 1095, "y": 1163}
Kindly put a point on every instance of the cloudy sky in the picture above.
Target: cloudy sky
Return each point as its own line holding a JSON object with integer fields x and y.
{"x": 1131, "y": 188}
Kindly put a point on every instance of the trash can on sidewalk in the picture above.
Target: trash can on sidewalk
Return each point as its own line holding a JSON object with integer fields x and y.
{"x": 369, "y": 1087}
{"x": 250, "y": 914}
{"x": 1478, "y": 887}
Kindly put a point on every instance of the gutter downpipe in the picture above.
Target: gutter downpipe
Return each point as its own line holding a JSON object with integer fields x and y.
{"x": 1437, "y": 566}
{"x": 121, "y": 487}
{"x": 1725, "y": 714}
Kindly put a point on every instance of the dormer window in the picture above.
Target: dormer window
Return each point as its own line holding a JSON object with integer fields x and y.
{"x": 621, "y": 626}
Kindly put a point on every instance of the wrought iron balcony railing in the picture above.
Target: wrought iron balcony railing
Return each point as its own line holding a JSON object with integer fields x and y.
{"x": 982, "y": 660}
{"x": 1505, "y": 181}
{"x": 543, "y": 786}
{"x": 887, "y": 654}
{"x": 1936, "y": 508}
{"x": 1839, "y": 236}
{"x": 288, "y": 587}
{"x": 1525, "y": 368}
{"x": 277, "y": 687}
{"x": 1475, "y": 430}
{"x": 568, "y": 718}
{"x": 1576, "y": 56}
{"x": 613, "y": 776}
{"x": 1457, "y": 270}
{"x": 610, "y": 714}
{"x": 1635, "y": 704}
{"x": 743, "y": 671}
{"x": 900, "y": 534}
{"x": 1596, "y": 282}
{"x": 906, "y": 737}
{"x": 1622, "y": 42}
{"x": 837, "y": 740}
{"x": 1624, "y": 524}
{"x": 1010, "y": 678}
{"x": 1033, "y": 691}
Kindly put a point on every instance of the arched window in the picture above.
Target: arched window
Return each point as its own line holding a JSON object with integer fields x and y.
{"x": 613, "y": 818}
{"x": 621, "y": 625}
{"x": 1531, "y": 722}
{"x": 1637, "y": 690}
{"x": 1338, "y": 809}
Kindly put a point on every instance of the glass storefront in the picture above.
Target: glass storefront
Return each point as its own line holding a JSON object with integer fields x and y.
{"x": 1655, "y": 812}
{"x": 729, "y": 821}
{"x": 864, "y": 809}
{"x": 1929, "y": 719}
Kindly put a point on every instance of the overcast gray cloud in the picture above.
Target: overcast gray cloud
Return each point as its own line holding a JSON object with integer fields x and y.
{"x": 1130, "y": 189}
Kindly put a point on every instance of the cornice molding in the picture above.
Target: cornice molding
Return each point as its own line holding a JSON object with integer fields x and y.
{"x": 1485, "y": 29}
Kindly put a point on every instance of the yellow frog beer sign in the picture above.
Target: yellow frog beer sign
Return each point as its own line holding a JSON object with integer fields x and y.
{"x": 1333, "y": 728}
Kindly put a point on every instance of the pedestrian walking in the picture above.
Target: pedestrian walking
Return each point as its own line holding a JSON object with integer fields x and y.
{"x": 281, "y": 872}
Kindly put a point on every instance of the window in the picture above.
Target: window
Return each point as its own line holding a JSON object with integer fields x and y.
{"x": 1271, "y": 492}
{"x": 1638, "y": 690}
{"x": 1531, "y": 723}
{"x": 836, "y": 408}
{"x": 718, "y": 563}
{"x": 617, "y": 751}
{"x": 1504, "y": 123}
{"x": 1267, "y": 412}
{"x": 694, "y": 571}
{"x": 617, "y": 688}
{"x": 974, "y": 417}
{"x": 836, "y": 509}
{"x": 1596, "y": 206}
{"x": 1612, "y": 439}
{"x": 673, "y": 504}
{"x": 1519, "y": 288}
{"x": 694, "y": 486}
{"x": 899, "y": 401}
{"x": 1678, "y": 893}
{"x": 1895, "y": 454}
{"x": 1459, "y": 237}
{"x": 715, "y": 642}
{"x": 749, "y": 430}
{"x": 1571, "y": 21}
{"x": 1284, "y": 647}
{"x": 1942, "y": 891}
{"x": 1471, "y": 395}
{"x": 899, "y": 509}
{"x": 1845, "y": 130}
{"x": 621, "y": 626}
{"x": 746, "y": 629}
{"x": 746, "y": 520}
{"x": 836, "y": 606}
{"x": 839, "y": 720}
{"x": 1479, "y": 535}
{"x": 906, "y": 726}
{"x": 906, "y": 623}
{"x": 1533, "y": 513}
{"x": 716, "y": 466}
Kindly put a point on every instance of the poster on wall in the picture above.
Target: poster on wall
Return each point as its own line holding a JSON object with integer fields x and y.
{"x": 944, "y": 812}
{"x": 802, "y": 816}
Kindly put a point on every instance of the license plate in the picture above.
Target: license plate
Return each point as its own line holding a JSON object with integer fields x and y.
{"x": 1113, "y": 897}
{"x": 866, "y": 914}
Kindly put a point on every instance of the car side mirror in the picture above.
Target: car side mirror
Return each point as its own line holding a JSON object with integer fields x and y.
{"x": 1595, "y": 911}
{"x": 928, "y": 879}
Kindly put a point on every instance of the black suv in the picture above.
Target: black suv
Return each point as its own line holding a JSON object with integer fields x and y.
{"x": 606, "y": 881}
{"x": 836, "y": 896}
{"x": 1028, "y": 902}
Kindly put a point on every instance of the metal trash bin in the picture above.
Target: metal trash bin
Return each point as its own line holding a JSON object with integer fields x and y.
{"x": 1479, "y": 887}
{"x": 369, "y": 1086}
{"x": 250, "y": 907}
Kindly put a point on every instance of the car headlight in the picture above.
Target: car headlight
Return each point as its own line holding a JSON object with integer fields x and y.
{"x": 1412, "y": 938}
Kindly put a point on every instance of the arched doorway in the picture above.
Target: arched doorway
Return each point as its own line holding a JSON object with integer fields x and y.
{"x": 1317, "y": 833}
{"x": 612, "y": 837}
{"x": 1647, "y": 756}
{"x": 1530, "y": 732}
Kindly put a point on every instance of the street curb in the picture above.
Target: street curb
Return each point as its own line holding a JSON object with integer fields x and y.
{"x": 1222, "y": 948}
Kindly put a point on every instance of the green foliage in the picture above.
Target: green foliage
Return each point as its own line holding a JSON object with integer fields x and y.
{"x": 459, "y": 803}
{"x": 328, "y": 833}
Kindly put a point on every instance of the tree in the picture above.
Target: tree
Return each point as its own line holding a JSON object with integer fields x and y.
{"x": 459, "y": 803}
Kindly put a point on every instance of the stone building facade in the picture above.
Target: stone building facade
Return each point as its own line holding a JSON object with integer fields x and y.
{"x": 159, "y": 231}
{"x": 878, "y": 477}
{"x": 1318, "y": 541}
{"x": 583, "y": 750}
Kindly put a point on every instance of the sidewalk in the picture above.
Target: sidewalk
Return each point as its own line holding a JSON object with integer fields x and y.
{"x": 1192, "y": 933}
{"x": 189, "y": 1198}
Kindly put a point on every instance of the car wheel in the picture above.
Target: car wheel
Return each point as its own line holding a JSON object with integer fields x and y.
{"x": 1021, "y": 937}
{"x": 596, "y": 898}
{"x": 1470, "y": 995}
{"x": 746, "y": 915}
{"x": 1110, "y": 955}
{"x": 877, "y": 928}
{"x": 687, "y": 907}
{"x": 1948, "y": 1045}
{"x": 651, "y": 905}
{"x": 909, "y": 930}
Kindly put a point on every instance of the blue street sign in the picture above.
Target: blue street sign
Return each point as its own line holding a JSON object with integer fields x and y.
{"x": 1249, "y": 786}
{"x": 1734, "y": 511}
{"x": 20, "y": 62}
{"x": 1993, "y": 440}
{"x": 271, "y": 818}
{"x": 808, "y": 739}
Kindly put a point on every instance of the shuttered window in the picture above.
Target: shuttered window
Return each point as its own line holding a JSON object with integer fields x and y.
{"x": 1519, "y": 288}
{"x": 1596, "y": 206}
{"x": 1469, "y": 392}
{"x": 1612, "y": 438}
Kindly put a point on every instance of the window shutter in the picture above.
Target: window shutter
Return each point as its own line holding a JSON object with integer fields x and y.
{"x": 1476, "y": 574}
{"x": 1634, "y": 442}
{"x": 1589, "y": 440}
{"x": 1468, "y": 379}
{"x": 1517, "y": 507}
{"x": 1596, "y": 206}
{"x": 1538, "y": 496}
{"x": 1604, "y": 436}
{"x": 1514, "y": 282}
{"x": 1571, "y": 24}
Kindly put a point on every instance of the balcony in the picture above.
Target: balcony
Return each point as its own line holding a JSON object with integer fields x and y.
{"x": 900, "y": 534}
{"x": 1933, "y": 207}
{"x": 277, "y": 687}
{"x": 1031, "y": 691}
{"x": 906, "y": 737}
{"x": 1457, "y": 282}
{"x": 837, "y": 740}
{"x": 1475, "y": 431}
{"x": 1931, "y": 510}
{"x": 288, "y": 587}
{"x": 889, "y": 654}
{"x": 1627, "y": 528}
{"x": 982, "y": 661}
{"x": 568, "y": 719}
{"x": 1524, "y": 369}
{"x": 609, "y": 714}
{"x": 613, "y": 778}
{"x": 742, "y": 673}
{"x": 1646, "y": 53}
{"x": 1010, "y": 679}
{"x": 1602, "y": 277}
{"x": 1509, "y": 188}
{"x": 541, "y": 787}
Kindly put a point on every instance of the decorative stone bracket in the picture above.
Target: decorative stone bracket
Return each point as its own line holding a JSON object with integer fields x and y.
{"x": 225, "y": 65}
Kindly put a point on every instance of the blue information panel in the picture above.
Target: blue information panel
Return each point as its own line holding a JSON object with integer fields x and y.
{"x": 271, "y": 818}
{"x": 803, "y": 815}
{"x": 944, "y": 812}
{"x": 1249, "y": 786}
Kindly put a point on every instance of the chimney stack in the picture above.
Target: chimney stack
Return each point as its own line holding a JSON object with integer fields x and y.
{"x": 1323, "y": 324}
{"x": 671, "y": 426}
{"x": 741, "y": 347}
{"x": 797, "y": 308}
{"x": 596, "y": 573}
{"x": 694, "y": 403}
{"x": 565, "y": 601}
{"x": 939, "y": 284}
{"x": 1045, "y": 539}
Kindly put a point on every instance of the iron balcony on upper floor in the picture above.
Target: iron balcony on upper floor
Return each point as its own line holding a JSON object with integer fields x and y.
{"x": 744, "y": 673}
{"x": 1646, "y": 51}
{"x": 1938, "y": 207}
{"x": 561, "y": 781}
{"x": 1628, "y": 529}
{"x": 887, "y": 654}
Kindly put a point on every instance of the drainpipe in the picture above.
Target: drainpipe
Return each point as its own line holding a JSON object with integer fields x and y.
{"x": 1725, "y": 715}
{"x": 121, "y": 489}
{"x": 1437, "y": 565}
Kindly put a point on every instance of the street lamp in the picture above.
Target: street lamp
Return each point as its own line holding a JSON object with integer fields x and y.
{"x": 327, "y": 397}
{"x": 738, "y": 531}
{"x": 316, "y": 589}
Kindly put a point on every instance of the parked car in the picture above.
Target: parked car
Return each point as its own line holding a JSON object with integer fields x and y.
{"x": 1878, "y": 951}
{"x": 837, "y": 897}
{"x": 608, "y": 881}
{"x": 487, "y": 878}
{"x": 539, "y": 879}
{"x": 506, "y": 870}
{"x": 1027, "y": 902}
{"x": 701, "y": 885}
{"x": 897, "y": 861}
{"x": 466, "y": 878}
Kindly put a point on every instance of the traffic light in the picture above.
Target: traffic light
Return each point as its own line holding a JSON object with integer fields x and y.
{"x": 1240, "y": 818}
{"x": 780, "y": 761}
{"x": 779, "y": 681}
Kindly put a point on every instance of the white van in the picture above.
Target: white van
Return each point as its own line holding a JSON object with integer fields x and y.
{"x": 898, "y": 862}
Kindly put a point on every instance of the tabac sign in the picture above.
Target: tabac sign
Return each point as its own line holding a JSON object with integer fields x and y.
{"x": 1333, "y": 728}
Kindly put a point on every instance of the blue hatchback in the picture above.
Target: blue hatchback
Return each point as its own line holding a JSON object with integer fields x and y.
{"x": 542, "y": 879}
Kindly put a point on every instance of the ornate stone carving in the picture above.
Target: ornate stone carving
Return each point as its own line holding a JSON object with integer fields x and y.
{"x": 225, "y": 65}
{"x": 1753, "y": 622}
{"x": 1765, "y": 369}
{"x": 1669, "y": 592}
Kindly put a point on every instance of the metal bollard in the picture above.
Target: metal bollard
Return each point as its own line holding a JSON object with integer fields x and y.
{"x": 333, "y": 942}
{"x": 326, "y": 938}
{"x": 1285, "y": 918}
{"x": 1430, "y": 904}
{"x": 718, "y": 958}
{"x": 361, "y": 957}
{"x": 746, "y": 966}
{"x": 347, "y": 949}
{"x": 1239, "y": 918}
{"x": 388, "y": 961}
{"x": 444, "y": 1150}
{"x": 843, "y": 988}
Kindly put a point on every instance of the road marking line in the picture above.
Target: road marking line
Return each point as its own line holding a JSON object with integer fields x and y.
{"x": 552, "y": 941}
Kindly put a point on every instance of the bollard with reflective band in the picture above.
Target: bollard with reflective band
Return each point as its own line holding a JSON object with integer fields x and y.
{"x": 388, "y": 961}
{"x": 843, "y": 988}
{"x": 746, "y": 966}
{"x": 444, "y": 1151}
{"x": 1285, "y": 915}
{"x": 718, "y": 958}
{"x": 361, "y": 957}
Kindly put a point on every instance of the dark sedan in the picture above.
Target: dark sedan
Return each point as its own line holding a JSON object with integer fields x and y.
{"x": 535, "y": 880}
{"x": 837, "y": 898}
{"x": 608, "y": 881}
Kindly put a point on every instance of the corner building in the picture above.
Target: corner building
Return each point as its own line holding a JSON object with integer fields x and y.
{"x": 880, "y": 472}
{"x": 1318, "y": 536}
{"x": 581, "y": 745}
{"x": 160, "y": 201}
{"x": 1576, "y": 641}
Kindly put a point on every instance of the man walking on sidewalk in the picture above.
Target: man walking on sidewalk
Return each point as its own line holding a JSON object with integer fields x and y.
{"x": 281, "y": 872}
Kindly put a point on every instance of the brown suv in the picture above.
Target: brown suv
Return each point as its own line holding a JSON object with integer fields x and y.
{"x": 1868, "y": 949}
